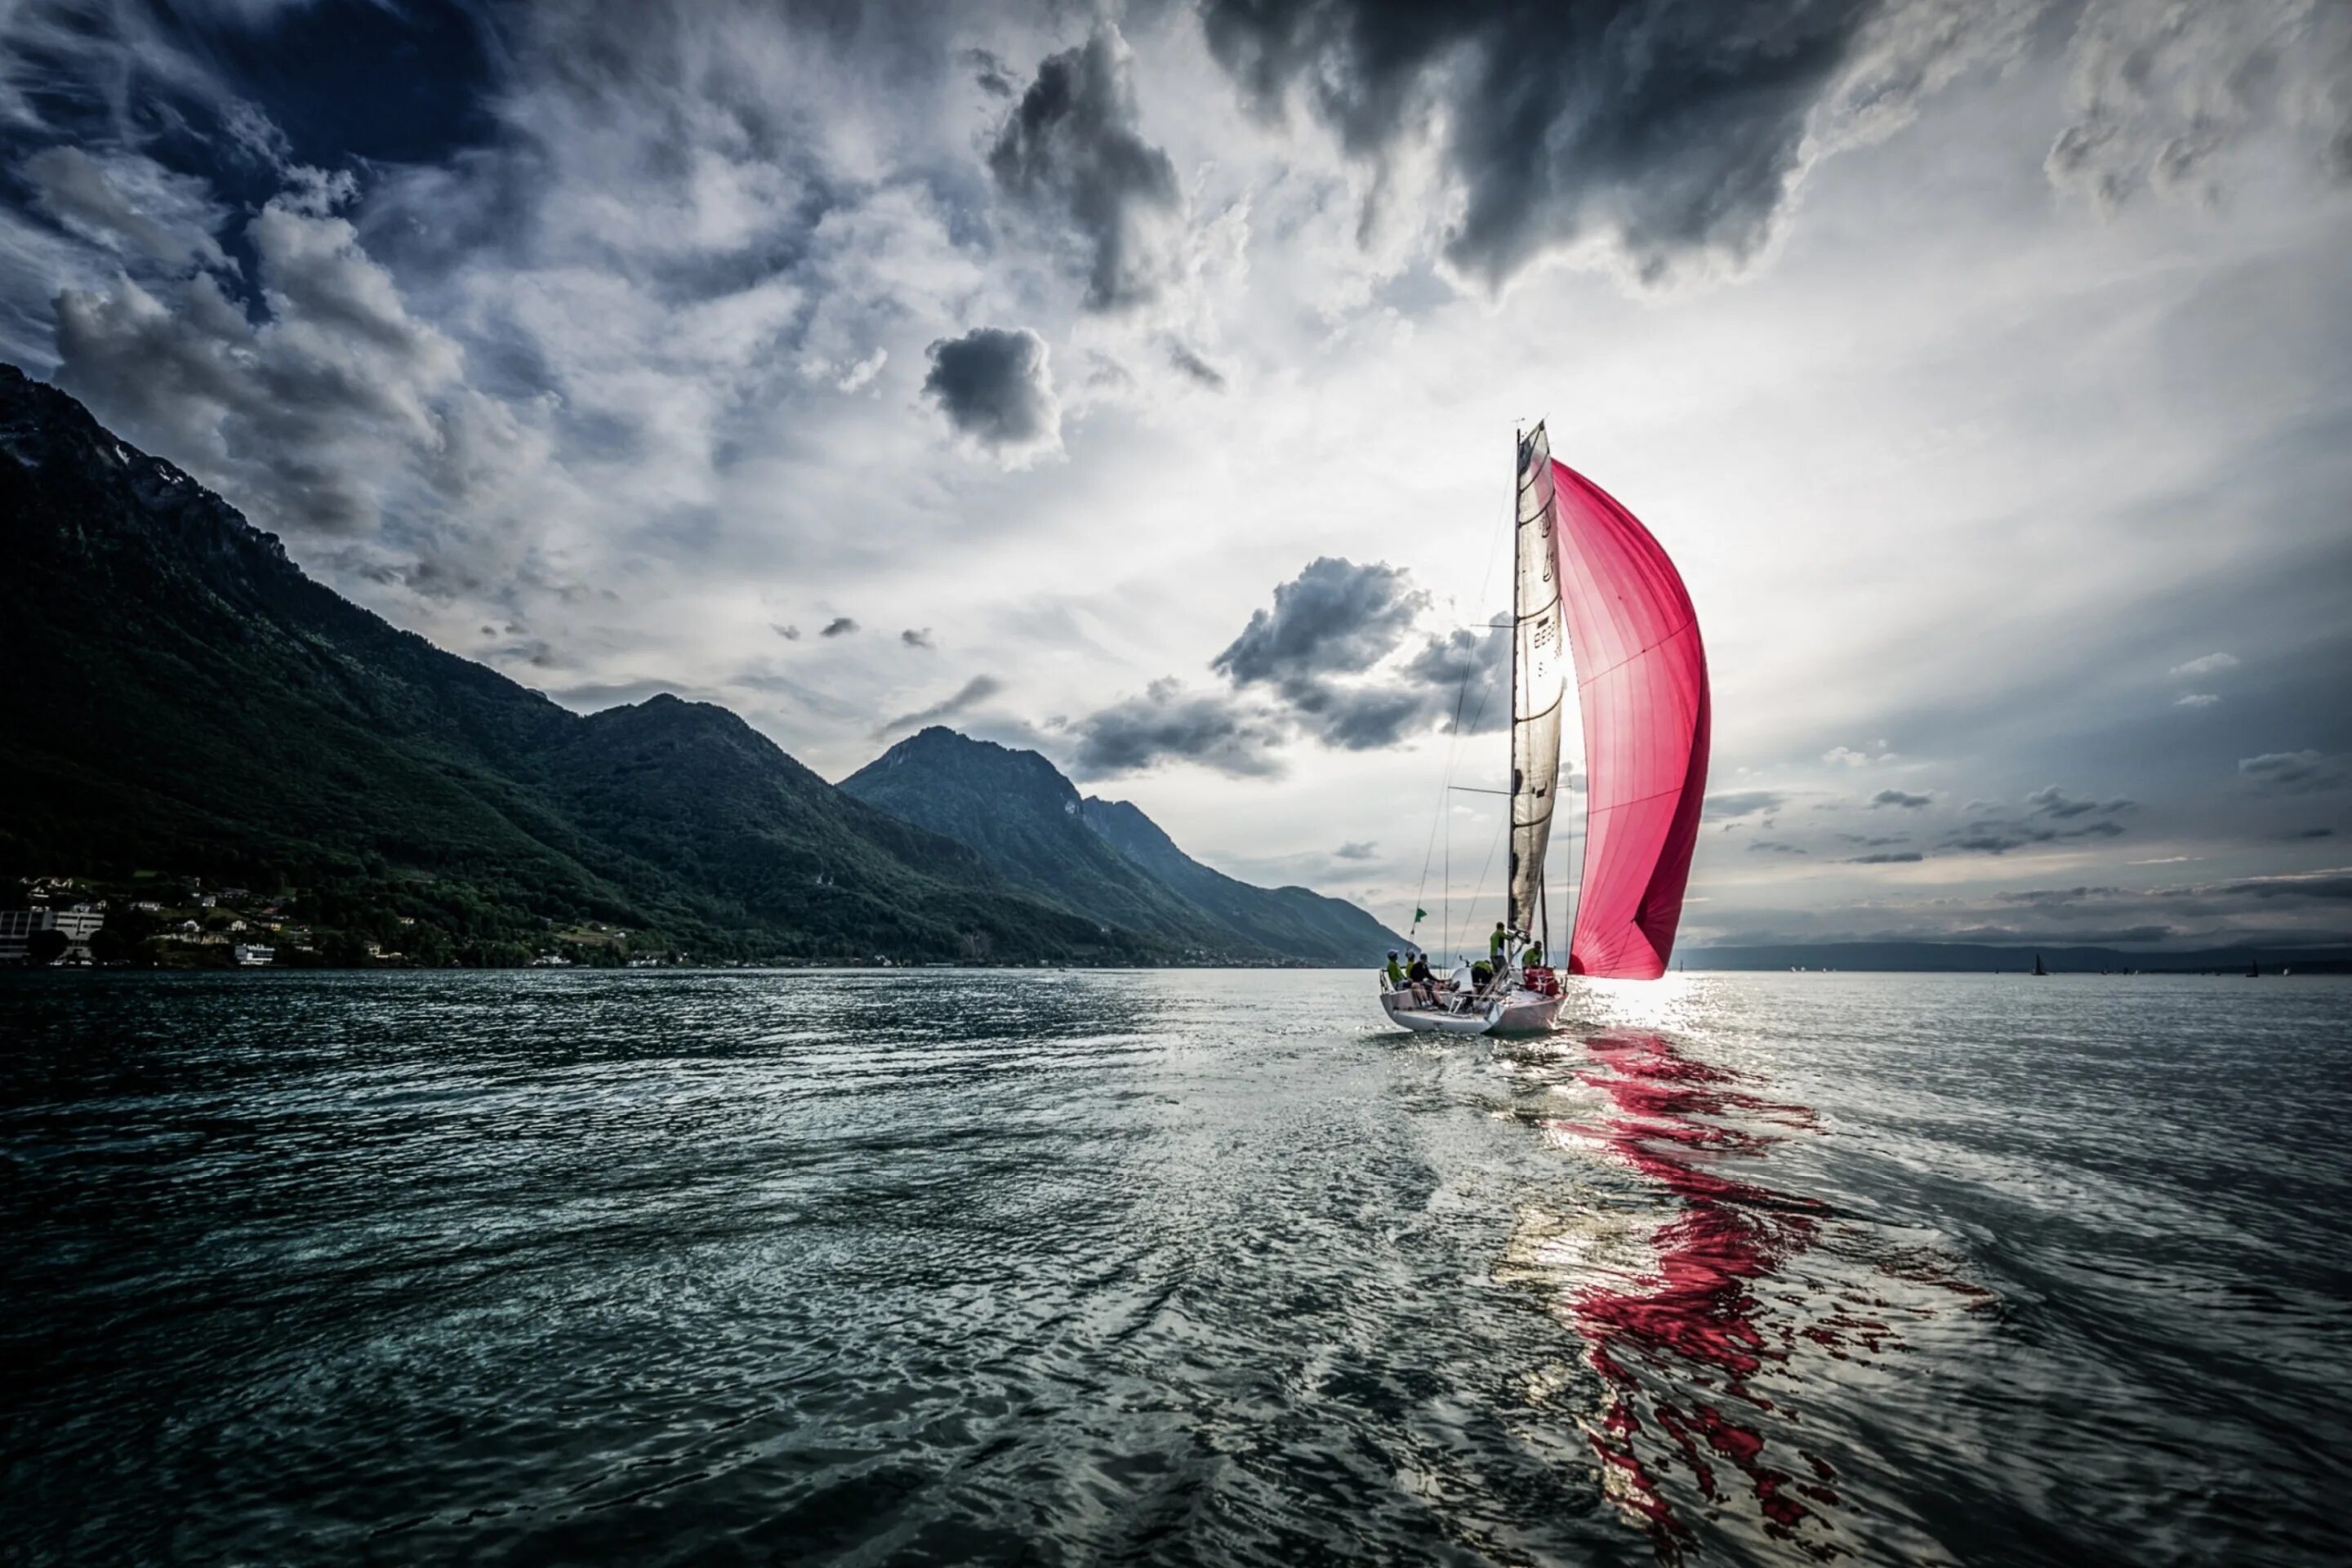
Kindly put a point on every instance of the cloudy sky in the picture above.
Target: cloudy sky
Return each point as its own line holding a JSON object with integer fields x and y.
{"x": 1138, "y": 383}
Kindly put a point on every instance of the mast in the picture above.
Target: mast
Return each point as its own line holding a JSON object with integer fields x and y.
{"x": 1518, "y": 549}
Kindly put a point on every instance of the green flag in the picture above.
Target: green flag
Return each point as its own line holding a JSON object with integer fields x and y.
{"x": 1418, "y": 915}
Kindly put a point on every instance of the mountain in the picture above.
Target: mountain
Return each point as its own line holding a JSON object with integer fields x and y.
{"x": 1016, "y": 809}
{"x": 182, "y": 699}
{"x": 1298, "y": 921}
{"x": 1966, "y": 958}
{"x": 1024, "y": 818}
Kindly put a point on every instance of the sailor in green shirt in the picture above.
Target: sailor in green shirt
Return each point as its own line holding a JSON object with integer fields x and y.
{"x": 1496, "y": 943}
{"x": 1533, "y": 957}
{"x": 1396, "y": 971}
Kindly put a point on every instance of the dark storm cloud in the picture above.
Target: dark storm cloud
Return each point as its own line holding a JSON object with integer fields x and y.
{"x": 1322, "y": 664}
{"x": 1334, "y": 618}
{"x": 1741, "y": 803}
{"x": 1465, "y": 678}
{"x": 1900, "y": 798}
{"x": 1670, "y": 127}
{"x": 1167, "y": 724}
{"x": 324, "y": 411}
{"x": 996, "y": 386}
{"x": 1318, "y": 650}
{"x": 1073, "y": 149}
{"x": 839, "y": 627}
{"x": 973, "y": 692}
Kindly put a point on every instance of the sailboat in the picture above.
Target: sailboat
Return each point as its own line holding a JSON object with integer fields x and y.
{"x": 2037, "y": 967}
{"x": 1593, "y": 589}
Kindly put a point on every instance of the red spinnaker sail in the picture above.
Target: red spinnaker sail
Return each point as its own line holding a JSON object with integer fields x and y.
{"x": 1641, "y": 681}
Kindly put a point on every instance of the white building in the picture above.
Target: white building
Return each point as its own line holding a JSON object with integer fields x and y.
{"x": 253, "y": 955}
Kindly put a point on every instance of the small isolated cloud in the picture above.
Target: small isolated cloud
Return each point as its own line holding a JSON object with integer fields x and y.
{"x": 839, "y": 627}
{"x": 1892, "y": 857}
{"x": 1073, "y": 151}
{"x": 914, "y": 636}
{"x": 790, "y": 634}
{"x": 1363, "y": 849}
{"x": 2197, "y": 700}
{"x": 857, "y": 376}
{"x": 1741, "y": 803}
{"x": 2208, "y": 664}
{"x": 1315, "y": 653}
{"x": 1774, "y": 846}
{"x": 1334, "y": 618}
{"x": 2290, "y": 772}
{"x": 990, "y": 70}
{"x": 1902, "y": 799}
{"x": 1194, "y": 365}
{"x": 1169, "y": 723}
{"x": 2056, "y": 801}
{"x": 973, "y": 692}
{"x": 996, "y": 386}
{"x": 1847, "y": 757}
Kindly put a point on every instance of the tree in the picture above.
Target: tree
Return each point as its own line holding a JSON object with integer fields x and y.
{"x": 45, "y": 946}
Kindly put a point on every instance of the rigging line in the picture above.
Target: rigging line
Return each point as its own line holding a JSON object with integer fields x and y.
{"x": 1461, "y": 693}
{"x": 1483, "y": 871}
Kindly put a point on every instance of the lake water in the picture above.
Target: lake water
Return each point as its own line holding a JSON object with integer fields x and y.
{"x": 1171, "y": 1267}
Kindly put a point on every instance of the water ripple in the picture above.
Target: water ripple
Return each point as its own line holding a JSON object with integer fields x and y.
{"x": 988, "y": 1267}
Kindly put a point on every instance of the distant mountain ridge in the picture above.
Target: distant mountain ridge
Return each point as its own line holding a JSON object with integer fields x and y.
{"x": 1017, "y": 810}
{"x": 1976, "y": 958}
{"x": 185, "y": 700}
{"x": 1287, "y": 919}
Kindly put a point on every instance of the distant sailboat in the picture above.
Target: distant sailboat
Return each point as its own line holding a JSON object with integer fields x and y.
{"x": 2254, "y": 969}
{"x": 1593, "y": 586}
{"x": 2037, "y": 967}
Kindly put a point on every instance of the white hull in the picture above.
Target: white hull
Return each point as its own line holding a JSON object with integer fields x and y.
{"x": 1516, "y": 1012}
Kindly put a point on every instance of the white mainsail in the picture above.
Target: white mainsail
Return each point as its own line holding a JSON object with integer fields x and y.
{"x": 1538, "y": 680}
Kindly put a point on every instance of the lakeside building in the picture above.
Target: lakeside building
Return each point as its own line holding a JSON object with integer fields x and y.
{"x": 77, "y": 925}
{"x": 253, "y": 955}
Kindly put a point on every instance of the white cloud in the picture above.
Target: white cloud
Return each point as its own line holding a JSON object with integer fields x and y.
{"x": 2210, "y": 663}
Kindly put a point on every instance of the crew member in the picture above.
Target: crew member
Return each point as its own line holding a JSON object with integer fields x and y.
{"x": 1396, "y": 971}
{"x": 1496, "y": 941}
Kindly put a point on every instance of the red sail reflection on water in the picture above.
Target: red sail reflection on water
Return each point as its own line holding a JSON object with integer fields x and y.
{"x": 1680, "y": 1349}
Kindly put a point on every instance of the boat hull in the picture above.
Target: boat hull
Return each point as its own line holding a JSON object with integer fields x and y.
{"x": 1516, "y": 1013}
